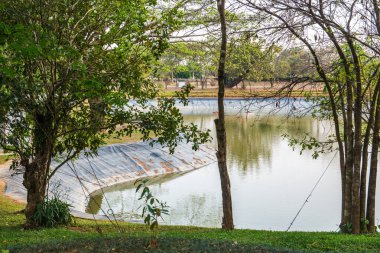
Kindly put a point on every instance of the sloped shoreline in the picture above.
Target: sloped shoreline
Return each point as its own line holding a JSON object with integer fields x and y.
{"x": 115, "y": 164}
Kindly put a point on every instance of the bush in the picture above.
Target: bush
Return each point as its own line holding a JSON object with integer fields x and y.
{"x": 52, "y": 213}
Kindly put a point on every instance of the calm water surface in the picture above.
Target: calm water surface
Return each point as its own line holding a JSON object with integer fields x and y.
{"x": 269, "y": 180}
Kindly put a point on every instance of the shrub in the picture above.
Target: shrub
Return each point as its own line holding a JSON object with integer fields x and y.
{"x": 52, "y": 213}
{"x": 153, "y": 209}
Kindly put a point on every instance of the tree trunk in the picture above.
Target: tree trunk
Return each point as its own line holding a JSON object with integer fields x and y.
{"x": 371, "y": 202}
{"x": 36, "y": 171}
{"x": 343, "y": 187}
{"x": 366, "y": 143}
{"x": 35, "y": 184}
{"x": 227, "y": 222}
{"x": 363, "y": 185}
{"x": 349, "y": 145}
{"x": 357, "y": 155}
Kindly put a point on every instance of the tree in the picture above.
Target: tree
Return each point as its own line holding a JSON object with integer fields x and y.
{"x": 352, "y": 82}
{"x": 227, "y": 222}
{"x": 197, "y": 44}
{"x": 73, "y": 73}
{"x": 293, "y": 63}
{"x": 248, "y": 58}
{"x": 187, "y": 60}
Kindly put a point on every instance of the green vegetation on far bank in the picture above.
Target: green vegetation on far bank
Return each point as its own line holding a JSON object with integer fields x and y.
{"x": 101, "y": 236}
{"x": 243, "y": 93}
{"x": 135, "y": 137}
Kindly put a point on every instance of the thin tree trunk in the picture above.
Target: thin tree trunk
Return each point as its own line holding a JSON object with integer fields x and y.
{"x": 349, "y": 160}
{"x": 346, "y": 192}
{"x": 355, "y": 186}
{"x": 366, "y": 142}
{"x": 363, "y": 178}
{"x": 371, "y": 202}
{"x": 357, "y": 155}
{"x": 227, "y": 222}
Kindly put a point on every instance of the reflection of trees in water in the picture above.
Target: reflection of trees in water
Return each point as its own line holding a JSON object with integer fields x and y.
{"x": 94, "y": 204}
{"x": 117, "y": 195}
{"x": 191, "y": 210}
{"x": 196, "y": 209}
{"x": 250, "y": 141}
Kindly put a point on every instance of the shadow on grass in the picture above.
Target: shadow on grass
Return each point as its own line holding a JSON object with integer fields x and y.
{"x": 134, "y": 244}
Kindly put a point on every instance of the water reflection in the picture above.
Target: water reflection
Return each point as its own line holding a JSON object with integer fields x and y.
{"x": 96, "y": 205}
{"x": 250, "y": 139}
{"x": 269, "y": 180}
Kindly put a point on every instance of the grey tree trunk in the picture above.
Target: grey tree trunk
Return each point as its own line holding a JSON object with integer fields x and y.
{"x": 371, "y": 202}
{"x": 349, "y": 160}
{"x": 357, "y": 141}
{"x": 227, "y": 222}
{"x": 366, "y": 143}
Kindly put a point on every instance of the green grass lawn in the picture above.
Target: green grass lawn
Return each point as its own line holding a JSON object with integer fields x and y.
{"x": 91, "y": 236}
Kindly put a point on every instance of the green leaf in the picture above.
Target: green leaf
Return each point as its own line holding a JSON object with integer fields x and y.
{"x": 138, "y": 187}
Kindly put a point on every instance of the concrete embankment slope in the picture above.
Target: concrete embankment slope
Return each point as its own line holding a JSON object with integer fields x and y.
{"x": 114, "y": 164}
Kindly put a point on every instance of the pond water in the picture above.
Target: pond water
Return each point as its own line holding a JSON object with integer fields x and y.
{"x": 269, "y": 180}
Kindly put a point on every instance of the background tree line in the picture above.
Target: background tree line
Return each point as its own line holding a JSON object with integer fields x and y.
{"x": 247, "y": 57}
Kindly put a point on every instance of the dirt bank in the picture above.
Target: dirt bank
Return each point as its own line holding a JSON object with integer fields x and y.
{"x": 3, "y": 185}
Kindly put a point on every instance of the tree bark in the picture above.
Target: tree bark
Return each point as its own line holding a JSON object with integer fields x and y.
{"x": 227, "y": 222}
{"x": 366, "y": 143}
{"x": 35, "y": 184}
{"x": 347, "y": 213}
{"x": 371, "y": 201}
{"x": 342, "y": 150}
{"x": 357, "y": 155}
{"x": 36, "y": 171}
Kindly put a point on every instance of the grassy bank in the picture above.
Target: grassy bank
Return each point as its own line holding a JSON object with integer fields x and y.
{"x": 89, "y": 236}
{"x": 4, "y": 158}
{"x": 240, "y": 93}
{"x": 114, "y": 139}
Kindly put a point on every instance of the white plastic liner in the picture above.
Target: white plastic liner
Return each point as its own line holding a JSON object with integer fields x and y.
{"x": 114, "y": 164}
